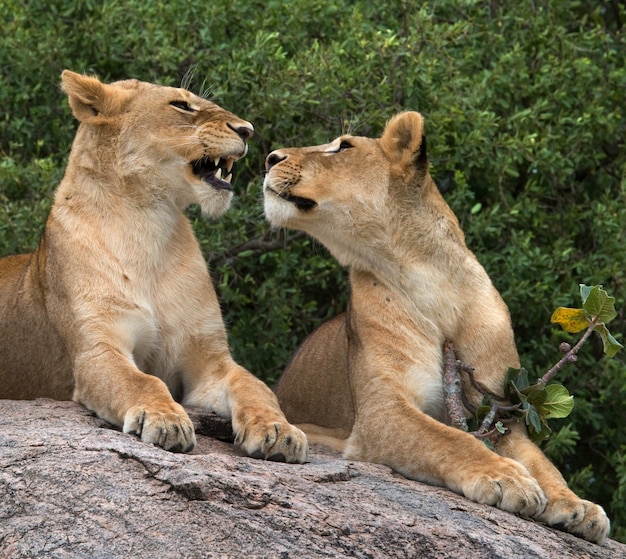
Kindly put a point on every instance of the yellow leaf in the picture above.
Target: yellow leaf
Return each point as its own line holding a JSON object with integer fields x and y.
{"x": 571, "y": 320}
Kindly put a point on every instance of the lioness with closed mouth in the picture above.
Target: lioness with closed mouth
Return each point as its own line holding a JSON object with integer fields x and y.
{"x": 370, "y": 380}
{"x": 115, "y": 308}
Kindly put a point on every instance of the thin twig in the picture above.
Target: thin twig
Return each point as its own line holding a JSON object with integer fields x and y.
{"x": 486, "y": 435}
{"x": 455, "y": 398}
{"x": 479, "y": 387}
{"x": 570, "y": 355}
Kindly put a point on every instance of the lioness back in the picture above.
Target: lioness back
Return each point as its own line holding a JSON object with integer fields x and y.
{"x": 326, "y": 399}
{"x": 36, "y": 348}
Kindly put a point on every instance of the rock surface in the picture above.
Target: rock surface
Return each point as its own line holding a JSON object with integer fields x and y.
{"x": 72, "y": 486}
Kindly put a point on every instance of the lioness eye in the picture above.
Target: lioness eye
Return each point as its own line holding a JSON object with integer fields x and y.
{"x": 344, "y": 145}
{"x": 182, "y": 105}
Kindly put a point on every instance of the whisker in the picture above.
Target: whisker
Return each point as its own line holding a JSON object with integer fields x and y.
{"x": 206, "y": 92}
{"x": 187, "y": 79}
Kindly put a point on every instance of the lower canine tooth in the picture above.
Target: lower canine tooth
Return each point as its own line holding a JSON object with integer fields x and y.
{"x": 218, "y": 174}
{"x": 228, "y": 177}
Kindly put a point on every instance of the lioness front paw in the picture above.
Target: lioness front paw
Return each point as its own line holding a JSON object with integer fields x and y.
{"x": 579, "y": 517}
{"x": 169, "y": 428}
{"x": 278, "y": 441}
{"x": 509, "y": 487}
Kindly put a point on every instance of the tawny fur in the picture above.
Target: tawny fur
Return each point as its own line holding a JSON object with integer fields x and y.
{"x": 370, "y": 381}
{"x": 115, "y": 308}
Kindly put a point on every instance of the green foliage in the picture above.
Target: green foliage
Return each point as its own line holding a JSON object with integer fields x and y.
{"x": 536, "y": 402}
{"x": 598, "y": 310}
{"x": 526, "y": 124}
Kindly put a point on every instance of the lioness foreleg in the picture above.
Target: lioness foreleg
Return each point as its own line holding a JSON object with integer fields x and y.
{"x": 424, "y": 449}
{"x": 110, "y": 384}
{"x": 260, "y": 426}
{"x": 565, "y": 509}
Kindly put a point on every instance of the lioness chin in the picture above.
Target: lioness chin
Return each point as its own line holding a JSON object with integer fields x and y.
{"x": 115, "y": 308}
{"x": 370, "y": 380}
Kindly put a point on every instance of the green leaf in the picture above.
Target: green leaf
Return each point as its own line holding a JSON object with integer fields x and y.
{"x": 500, "y": 427}
{"x": 521, "y": 382}
{"x": 532, "y": 417}
{"x": 476, "y": 208}
{"x": 585, "y": 290}
{"x": 611, "y": 345}
{"x": 472, "y": 424}
{"x": 598, "y": 304}
{"x": 509, "y": 382}
{"x": 516, "y": 396}
{"x": 543, "y": 434}
{"x": 482, "y": 411}
{"x": 559, "y": 402}
{"x": 516, "y": 381}
{"x": 571, "y": 320}
{"x": 536, "y": 394}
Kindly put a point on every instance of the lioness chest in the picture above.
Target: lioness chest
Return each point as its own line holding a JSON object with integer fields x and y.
{"x": 407, "y": 325}
{"x": 145, "y": 284}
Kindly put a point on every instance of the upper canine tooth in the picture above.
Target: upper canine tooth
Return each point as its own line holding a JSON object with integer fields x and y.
{"x": 216, "y": 161}
{"x": 218, "y": 173}
{"x": 229, "y": 165}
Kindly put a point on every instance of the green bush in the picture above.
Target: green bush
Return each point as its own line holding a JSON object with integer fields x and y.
{"x": 524, "y": 104}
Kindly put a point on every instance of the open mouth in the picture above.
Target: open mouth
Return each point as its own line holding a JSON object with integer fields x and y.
{"x": 304, "y": 204}
{"x": 217, "y": 172}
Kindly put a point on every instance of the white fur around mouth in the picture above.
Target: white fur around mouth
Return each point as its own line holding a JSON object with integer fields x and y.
{"x": 214, "y": 171}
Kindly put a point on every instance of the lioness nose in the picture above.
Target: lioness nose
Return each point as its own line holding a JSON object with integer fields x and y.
{"x": 273, "y": 159}
{"x": 245, "y": 131}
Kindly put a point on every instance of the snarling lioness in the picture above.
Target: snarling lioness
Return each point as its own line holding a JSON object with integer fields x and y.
{"x": 370, "y": 380}
{"x": 115, "y": 308}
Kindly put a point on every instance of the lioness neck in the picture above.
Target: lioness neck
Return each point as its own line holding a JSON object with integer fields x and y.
{"x": 100, "y": 179}
{"x": 431, "y": 273}
{"x": 423, "y": 239}
{"x": 101, "y": 194}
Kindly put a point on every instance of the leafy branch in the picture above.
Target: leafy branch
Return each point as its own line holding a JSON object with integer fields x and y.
{"x": 533, "y": 401}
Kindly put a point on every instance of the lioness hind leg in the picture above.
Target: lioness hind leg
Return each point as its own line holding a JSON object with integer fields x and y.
{"x": 335, "y": 439}
{"x": 260, "y": 426}
{"x": 564, "y": 510}
{"x": 577, "y": 516}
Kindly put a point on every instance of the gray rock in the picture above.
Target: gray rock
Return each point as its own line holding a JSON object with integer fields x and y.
{"x": 72, "y": 486}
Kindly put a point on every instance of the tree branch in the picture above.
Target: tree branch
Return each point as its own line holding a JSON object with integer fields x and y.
{"x": 261, "y": 245}
{"x": 257, "y": 245}
{"x": 452, "y": 387}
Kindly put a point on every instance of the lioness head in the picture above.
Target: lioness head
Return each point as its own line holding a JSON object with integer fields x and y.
{"x": 163, "y": 142}
{"x": 352, "y": 193}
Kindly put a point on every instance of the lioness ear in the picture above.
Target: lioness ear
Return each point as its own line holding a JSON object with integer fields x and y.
{"x": 403, "y": 139}
{"x": 90, "y": 99}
